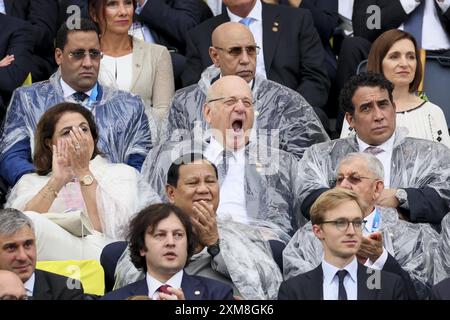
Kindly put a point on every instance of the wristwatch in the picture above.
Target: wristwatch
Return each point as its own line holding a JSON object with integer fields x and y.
{"x": 401, "y": 196}
{"x": 214, "y": 249}
{"x": 87, "y": 180}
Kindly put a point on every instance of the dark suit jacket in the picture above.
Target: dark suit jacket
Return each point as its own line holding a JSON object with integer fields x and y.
{"x": 43, "y": 16}
{"x": 51, "y": 286}
{"x": 293, "y": 53}
{"x": 16, "y": 39}
{"x": 170, "y": 20}
{"x": 441, "y": 291}
{"x": 209, "y": 289}
{"x": 392, "y": 16}
{"x": 309, "y": 286}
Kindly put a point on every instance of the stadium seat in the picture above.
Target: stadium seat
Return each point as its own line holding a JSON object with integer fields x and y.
{"x": 89, "y": 272}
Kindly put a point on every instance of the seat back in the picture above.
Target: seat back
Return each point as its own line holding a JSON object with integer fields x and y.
{"x": 437, "y": 82}
{"x": 89, "y": 272}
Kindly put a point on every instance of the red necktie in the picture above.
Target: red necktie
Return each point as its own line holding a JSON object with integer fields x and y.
{"x": 163, "y": 289}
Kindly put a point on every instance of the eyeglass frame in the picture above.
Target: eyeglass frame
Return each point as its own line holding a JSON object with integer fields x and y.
{"x": 236, "y": 101}
{"x": 354, "y": 182}
{"x": 335, "y": 222}
{"x": 257, "y": 50}
{"x": 90, "y": 52}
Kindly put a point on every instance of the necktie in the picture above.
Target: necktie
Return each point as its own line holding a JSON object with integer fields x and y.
{"x": 415, "y": 21}
{"x": 246, "y": 21}
{"x": 342, "y": 294}
{"x": 222, "y": 167}
{"x": 79, "y": 96}
{"x": 163, "y": 289}
{"x": 373, "y": 150}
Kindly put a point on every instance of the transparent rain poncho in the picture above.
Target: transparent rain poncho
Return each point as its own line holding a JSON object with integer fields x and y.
{"x": 245, "y": 258}
{"x": 415, "y": 163}
{"x": 271, "y": 176}
{"x": 413, "y": 245}
{"x": 120, "y": 117}
{"x": 279, "y": 111}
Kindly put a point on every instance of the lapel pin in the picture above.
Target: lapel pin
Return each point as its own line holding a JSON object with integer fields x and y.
{"x": 275, "y": 27}
{"x": 196, "y": 293}
{"x": 275, "y": 24}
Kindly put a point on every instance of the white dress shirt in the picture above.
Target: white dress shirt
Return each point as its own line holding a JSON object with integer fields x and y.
{"x": 331, "y": 281}
{"x": 2, "y": 7}
{"x": 373, "y": 223}
{"x": 345, "y": 10}
{"x": 29, "y": 285}
{"x": 256, "y": 27}
{"x": 434, "y": 36}
{"x": 153, "y": 284}
{"x": 232, "y": 192}
{"x": 140, "y": 30}
{"x": 69, "y": 91}
{"x": 384, "y": 157}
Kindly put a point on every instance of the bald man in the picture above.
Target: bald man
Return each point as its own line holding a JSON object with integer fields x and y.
{"x": 280, "y": 112}
{"x": 257, "y": 180}
{"x": 11, "y": 287}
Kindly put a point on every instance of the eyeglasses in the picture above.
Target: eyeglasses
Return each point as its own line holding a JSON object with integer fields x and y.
{"x": 342, "y": 224}
{"x": 237, "y": 51}
{"x": 353, "y": 178}
{"x": 80, "y": 54}
{"x": 12, "y": 297}
{"x": 232, "y": 101}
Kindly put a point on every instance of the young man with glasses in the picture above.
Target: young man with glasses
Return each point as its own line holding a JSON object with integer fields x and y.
{"x": 120, "y": 116}
{"x": 338, "y": 221}
{"x": 383, "y": 231}
{"x": 280, "y": 111}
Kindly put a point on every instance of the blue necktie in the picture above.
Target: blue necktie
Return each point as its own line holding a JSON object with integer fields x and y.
{"x": 246, "y": 21}
{"x": 414, "y": 23}
{"x": 342, "y": 294}
{"x": 79, "y": 96}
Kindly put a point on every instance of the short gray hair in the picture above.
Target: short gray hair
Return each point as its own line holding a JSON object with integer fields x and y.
{"x": 12, "y": 220}
{"x": 373, "y": 164}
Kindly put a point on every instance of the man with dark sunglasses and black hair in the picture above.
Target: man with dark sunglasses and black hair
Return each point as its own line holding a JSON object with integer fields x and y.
{"x": 124, "y": 128}
{"x": 279, "y": 110}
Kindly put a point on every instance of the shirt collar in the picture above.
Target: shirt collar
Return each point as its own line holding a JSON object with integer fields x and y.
{"x": 153, "y": 284}
{"x": 256, "y": 13}
{"x": 68, "y": 90}
{"x": 29, "y": 285}
{"x": 386, "y": 146}
{"x": 329, "y": 271}
{"x": 369, "y": 221}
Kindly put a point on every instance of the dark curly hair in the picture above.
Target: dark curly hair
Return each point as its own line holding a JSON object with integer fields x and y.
{"x": 365, "y": 79}
{"x": 149, "y": 218}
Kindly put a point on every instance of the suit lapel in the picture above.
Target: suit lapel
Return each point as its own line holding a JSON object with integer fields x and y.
{"x": 363, "y": 291}
{"x": 192, "y": 288}
{"x": 8, "y": 6}
{"x": 140, "y": 289}
{"x": 272, "y": 27}
{"x": 41, "y": 290}
{"x": 138, "y": 59}
{"x": 315, "y": 287}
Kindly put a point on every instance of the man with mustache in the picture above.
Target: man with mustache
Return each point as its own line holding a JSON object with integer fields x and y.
{"x": 416, "y": 171}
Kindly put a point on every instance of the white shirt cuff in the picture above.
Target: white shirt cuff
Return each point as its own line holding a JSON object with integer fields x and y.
{"x": 409, "y": 5}
{"x": 443, "y": 4}
{"x": 379, "y": 264}
{"x": 139, "y": 7}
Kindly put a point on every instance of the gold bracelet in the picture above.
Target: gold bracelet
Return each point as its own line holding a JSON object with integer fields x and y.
{"x": 54, "y": 192}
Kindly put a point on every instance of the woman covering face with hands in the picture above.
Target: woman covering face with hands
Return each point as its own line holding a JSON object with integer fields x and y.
{"x": 71, "y": 175}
